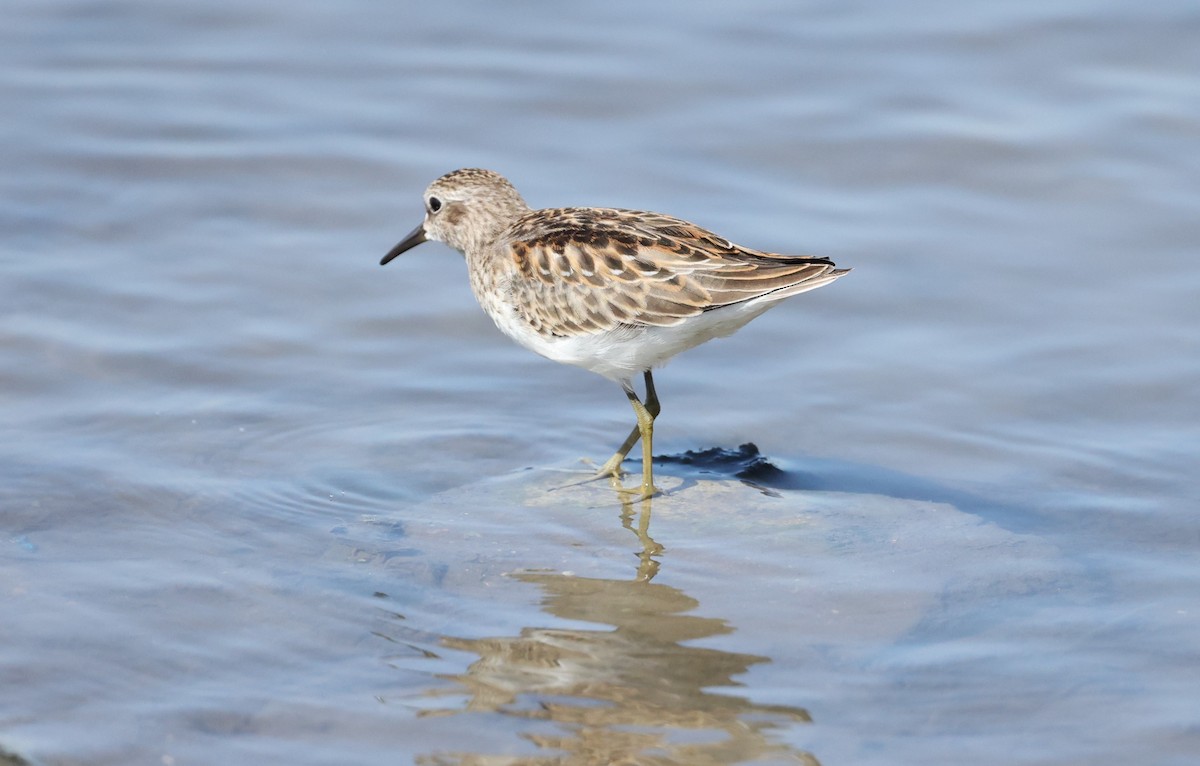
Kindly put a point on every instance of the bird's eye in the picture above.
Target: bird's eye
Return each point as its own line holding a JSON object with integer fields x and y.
{"x": 435, "y": 204}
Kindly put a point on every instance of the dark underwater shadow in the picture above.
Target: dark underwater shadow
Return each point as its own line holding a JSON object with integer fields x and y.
{"x": 753, "y": 468}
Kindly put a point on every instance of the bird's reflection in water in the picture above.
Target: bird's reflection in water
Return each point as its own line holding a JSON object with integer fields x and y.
{"x": 647, "y": 563}
{"x": 630, "y": 692}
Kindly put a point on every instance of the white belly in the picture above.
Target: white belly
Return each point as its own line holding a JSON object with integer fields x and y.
{"x": 628, "y": 351}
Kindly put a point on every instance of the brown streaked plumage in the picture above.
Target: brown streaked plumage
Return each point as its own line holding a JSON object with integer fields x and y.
{"x": 617, "y": 292}
{"x": 589, "y": 270}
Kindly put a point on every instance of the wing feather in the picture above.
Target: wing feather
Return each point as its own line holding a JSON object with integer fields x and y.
{"x": 587, "y": 270}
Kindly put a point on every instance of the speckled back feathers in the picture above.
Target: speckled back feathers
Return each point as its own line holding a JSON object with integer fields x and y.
{"x": 587, "y": 270}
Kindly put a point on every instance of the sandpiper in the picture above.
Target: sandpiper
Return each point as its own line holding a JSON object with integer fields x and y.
{"x": 617, "y": 292}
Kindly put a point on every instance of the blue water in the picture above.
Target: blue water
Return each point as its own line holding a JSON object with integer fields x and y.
{"x": 250, "y": 482}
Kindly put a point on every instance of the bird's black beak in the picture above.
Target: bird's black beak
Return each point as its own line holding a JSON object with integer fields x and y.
{"x": 414, "y": 238}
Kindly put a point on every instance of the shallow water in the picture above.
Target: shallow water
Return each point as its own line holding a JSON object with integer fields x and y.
{"x": 263, "y": 501}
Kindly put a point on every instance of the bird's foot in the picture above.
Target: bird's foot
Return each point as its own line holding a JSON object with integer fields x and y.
{"x": 638, "y": 494}
{"x": 610, "y": 470}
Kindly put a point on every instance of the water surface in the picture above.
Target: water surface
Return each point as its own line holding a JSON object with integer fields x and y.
{"x": 263, "y": 501}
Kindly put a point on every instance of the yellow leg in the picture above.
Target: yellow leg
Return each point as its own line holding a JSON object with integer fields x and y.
{"x": 644, "y": 430}
{"x": 646, "y": 426}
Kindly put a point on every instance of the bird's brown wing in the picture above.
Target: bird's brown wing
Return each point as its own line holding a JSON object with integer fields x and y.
{"x": 588, "y": 270}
